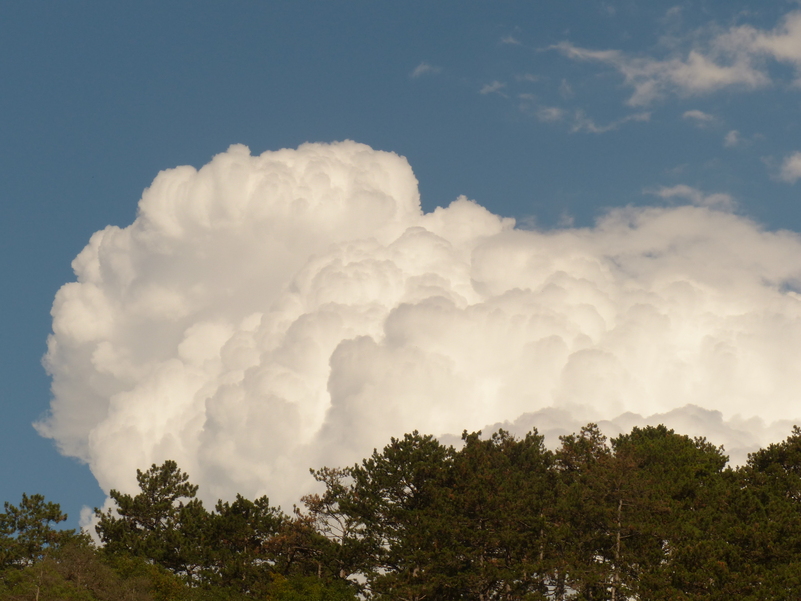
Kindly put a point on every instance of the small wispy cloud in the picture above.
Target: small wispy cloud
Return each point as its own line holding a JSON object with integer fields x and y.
{"x": 510, "y": 39}
{"x": 582, "y": 123}
{"x": 549, "y": 114}
{"x": 791, "y": 168}
{"x": 782, "y": 44}
{"x": 652, "y": 78}
{"x": 715, "y": 59}
{"x": 717, "y": 200}
{"x": 424, "y": 68}
{"x": 732, "y": 139}
{"x": 493, "y": 88}
{"x": 527, "y": 77}
{"x": 699, "y": 117}
{"x": 711, "y": 59}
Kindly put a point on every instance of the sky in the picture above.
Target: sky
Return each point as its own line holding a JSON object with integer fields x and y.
{"x": 649, "y": 154}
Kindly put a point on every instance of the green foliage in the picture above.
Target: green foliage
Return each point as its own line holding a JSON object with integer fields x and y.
{"x": 582, "y": 514}
{"x": 766, "y": 499}
{"x": 308, "y": 588}
{"x": 156, "y": 524}
{"x": 75, "y": 571}
{"x": 27, "y": 533}
{"x": 240, "y": 557}
{"x": 637, "y": 514}
{"x": 498, "y": 535}
{"x": 234, "y": 552}
{"x": 650, "y": 515}
{"x": 674, "y": 483}
{"x": 396, "y": 498}
{"x": 338, "y": 536}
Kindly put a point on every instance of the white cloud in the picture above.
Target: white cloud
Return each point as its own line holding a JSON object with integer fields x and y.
{"x": 491, "y": 88}
{"x": 510, "y": 39}
{"x": 700, "y": 117}
{"x": 582, "y": 123}
{"x": 717, "y": 200}
{"x": 267, "y": 314}
{"x": 782, "y": 43}
{"x": 717, "y": 59}
{"x": 791, "y": 168}
{"x": 732, "y": 58}
{"x": 549, "y": 114}
{"x": 652, "y": 78}
{"x": 738, "y": 436}
{"x": 424, "y": 68}
{"x": 732, "y": 139}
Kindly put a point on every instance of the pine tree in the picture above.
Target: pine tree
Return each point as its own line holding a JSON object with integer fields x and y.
{"x": 157, "y": 523}
{"x": 27, "y": 533}
{"x": 499, "y": 537}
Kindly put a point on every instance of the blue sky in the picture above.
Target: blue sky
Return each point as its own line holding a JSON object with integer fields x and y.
{"x": 550, "y": 112}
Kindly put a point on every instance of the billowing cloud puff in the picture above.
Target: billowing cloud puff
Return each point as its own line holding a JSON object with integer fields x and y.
{"x": 267, "y": 314}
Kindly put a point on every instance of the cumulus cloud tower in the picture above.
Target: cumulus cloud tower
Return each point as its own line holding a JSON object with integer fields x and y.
{"x": 264, "y": 315}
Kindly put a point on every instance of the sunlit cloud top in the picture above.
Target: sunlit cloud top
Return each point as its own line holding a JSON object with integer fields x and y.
{"x": 267, "y": 314}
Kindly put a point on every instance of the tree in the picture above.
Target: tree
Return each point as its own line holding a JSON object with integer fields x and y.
{"x": 340, "y": 545}
{"x": 240, "y": 556}
{"x": 639, "y": 515}
{"x": 76, "y": 571}
{"x": 671, "y": 487}
{"x": 397, "y": 494}
{"x": 766, "y": 502}
{"x": 583, "y": 516}
{"x": 157, "y": 524}
{"x": 27, "y": 533}
{"x": 384, "y": 519}
{"x": 498, "y": 539}
{"x": 308, "y": 588}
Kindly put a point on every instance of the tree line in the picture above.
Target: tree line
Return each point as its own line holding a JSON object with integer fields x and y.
{"x": 648, "y": 515}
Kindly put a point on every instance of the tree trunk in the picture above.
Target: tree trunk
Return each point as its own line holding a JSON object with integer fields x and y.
{"x": 616, "y": 565}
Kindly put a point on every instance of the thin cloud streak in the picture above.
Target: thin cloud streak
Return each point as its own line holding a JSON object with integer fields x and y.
{"x": 652, "y": 78}
{"x": 717, "y": 200}
{"x": 582, "y": 123}
{"x": 732, "y": 59}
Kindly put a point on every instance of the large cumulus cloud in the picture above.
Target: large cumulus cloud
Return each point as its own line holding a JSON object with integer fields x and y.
{"x": 266, "y": 314}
